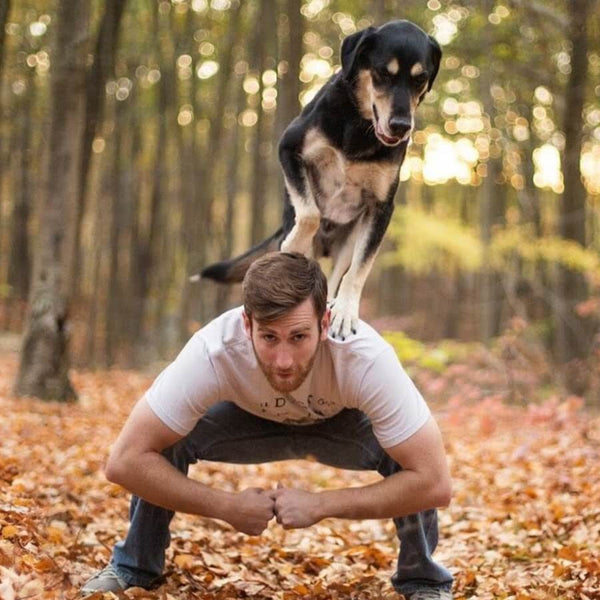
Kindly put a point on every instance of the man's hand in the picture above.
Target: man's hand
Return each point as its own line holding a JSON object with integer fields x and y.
{"x": 295, "y": 509}
{"x": 251, "y": 511}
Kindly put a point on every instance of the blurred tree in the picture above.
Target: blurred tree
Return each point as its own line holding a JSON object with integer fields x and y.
{"x": 289, "y": 81}
{"x": 198, "y": 210}
{"x": 101, "y": 69}
{"x": 43, "y": 371}
{"x": 571, "y": 336}
{"x": 492, "y": 204}
{"x": 19, "y": 260}
{"x": 261, "y": 45}
{"x": 4, "y": 12}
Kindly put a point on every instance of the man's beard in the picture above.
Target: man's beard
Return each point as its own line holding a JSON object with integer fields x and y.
{"x": 294, "y": 378}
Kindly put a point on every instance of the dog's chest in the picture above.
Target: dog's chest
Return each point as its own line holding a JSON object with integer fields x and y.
{"x": 343, "y": 189}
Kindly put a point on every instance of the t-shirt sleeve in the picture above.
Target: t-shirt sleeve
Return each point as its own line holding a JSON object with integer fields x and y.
{"x": 391, "y": 400}
{"x": 186, "y": 389}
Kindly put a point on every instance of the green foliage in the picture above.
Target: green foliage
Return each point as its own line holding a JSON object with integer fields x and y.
{"x": 413, "y": 352}
{"x": 519, "y": 241}
{"x": 5, "y": 291}
{"x": 427, "y": 242}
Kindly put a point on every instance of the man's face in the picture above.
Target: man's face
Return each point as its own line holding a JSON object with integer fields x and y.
{"x": 286, "y": 348}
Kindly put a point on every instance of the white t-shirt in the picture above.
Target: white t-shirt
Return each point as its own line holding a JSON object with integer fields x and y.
{"x": 218, "y": 364}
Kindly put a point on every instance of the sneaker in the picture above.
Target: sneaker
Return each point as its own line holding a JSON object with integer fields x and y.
{"x": 430, "y": 593}
{"x": 106, "y": 580}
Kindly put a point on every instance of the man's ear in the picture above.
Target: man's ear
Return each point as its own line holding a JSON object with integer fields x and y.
{"x": 247, "y": 325}
{"x": 436, "y": 56}
{"x": 325, "y": 323}
{"x": 353, "y": 46}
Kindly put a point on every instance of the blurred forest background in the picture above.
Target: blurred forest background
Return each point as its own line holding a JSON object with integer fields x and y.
{"x": 138, "y": 143}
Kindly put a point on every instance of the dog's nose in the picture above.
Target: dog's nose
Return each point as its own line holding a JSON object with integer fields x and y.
{"x": 399, "y": 126}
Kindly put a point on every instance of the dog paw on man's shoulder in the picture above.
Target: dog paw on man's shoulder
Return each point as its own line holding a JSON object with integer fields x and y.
{"x": 344, "y": 318}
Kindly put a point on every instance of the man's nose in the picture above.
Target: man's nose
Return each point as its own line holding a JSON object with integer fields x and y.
{"x": 283, "y": 359}
{"x": 399, "y": 126}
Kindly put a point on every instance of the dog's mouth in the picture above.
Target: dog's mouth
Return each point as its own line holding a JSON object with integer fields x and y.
{"x": 385, "y": 139}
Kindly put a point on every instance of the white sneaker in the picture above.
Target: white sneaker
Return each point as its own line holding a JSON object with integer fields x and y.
{"x": 106, "y": 580}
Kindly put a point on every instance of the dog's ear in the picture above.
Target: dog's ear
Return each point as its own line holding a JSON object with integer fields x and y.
{"x": 436, "y": 56}
{"x": 353, "y": 46}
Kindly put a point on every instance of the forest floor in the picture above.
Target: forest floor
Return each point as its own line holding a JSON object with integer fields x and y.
{"x": 524, "y": 522}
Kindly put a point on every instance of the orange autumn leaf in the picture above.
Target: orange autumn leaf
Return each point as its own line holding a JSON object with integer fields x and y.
{"x": 569, "y": 553}
{"x": 9, "y": 531}
{"x": 185, "y": 561}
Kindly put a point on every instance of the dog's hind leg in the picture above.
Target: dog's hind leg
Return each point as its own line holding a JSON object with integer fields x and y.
{"x": 308, "y": 218}
{"x": 307, "y": 213}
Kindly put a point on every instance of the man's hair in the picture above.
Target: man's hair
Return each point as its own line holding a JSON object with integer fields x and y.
{"x": 279, "y": 281}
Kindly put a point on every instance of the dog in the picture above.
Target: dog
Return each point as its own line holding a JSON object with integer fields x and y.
{"x": 341, "y": 159}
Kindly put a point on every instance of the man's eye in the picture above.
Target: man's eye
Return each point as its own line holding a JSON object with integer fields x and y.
{"x": 299, "y": 337}
{"x": 268, "y": 338}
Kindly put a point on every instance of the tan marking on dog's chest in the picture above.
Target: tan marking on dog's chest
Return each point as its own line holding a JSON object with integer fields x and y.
{"x": 339, "y": 185}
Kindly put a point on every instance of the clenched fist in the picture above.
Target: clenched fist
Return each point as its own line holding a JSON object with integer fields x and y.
{"x": 251, "y": 511}
{"x": 295, "y": 509}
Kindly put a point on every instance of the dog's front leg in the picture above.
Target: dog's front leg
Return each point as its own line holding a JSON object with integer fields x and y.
{"x": 342, "y": 258}
{"x": 308, "y": 216}
{"x": 369, "y": 234}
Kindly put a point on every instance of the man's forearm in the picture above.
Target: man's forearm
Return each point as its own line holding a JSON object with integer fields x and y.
{"x": 151, "y": 477}
{"x": 398, "y": 495}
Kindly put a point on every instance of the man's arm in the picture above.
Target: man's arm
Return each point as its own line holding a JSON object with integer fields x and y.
{"x": 423, "y": 483}
{"x": 136, "y": 463}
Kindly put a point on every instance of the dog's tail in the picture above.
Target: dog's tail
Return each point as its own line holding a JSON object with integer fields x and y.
{"x": 233, "y": 270}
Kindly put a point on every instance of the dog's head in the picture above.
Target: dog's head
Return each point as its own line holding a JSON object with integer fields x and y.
{"x": 391, "y": 69}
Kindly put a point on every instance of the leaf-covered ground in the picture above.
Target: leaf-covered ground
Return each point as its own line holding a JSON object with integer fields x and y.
{"x": 524, "y": 522}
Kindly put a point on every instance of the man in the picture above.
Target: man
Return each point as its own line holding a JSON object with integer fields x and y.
{"x": 266, "y": 383}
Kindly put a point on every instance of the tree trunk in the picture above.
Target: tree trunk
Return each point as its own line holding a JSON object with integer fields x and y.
{"x": 233, "y": 173}
{"x": 135, "y": 304}
{"x": 291, "y": 34}
{"x": 572, "y": 339}
{"x": 44, "y": 364}
{"x": 491, "y": 206}
{"x": 289, "y": 84}
{"x": 19, "y": 266}
{"x": 378, "y": 11}
{"x": 154, "y": 267}
{"x": 101, "y": 69}
{"x": 115, "y": 308}
{"x": 259, "y": 171}
{"x": 4, "y": 12}
{"x": 4, "y": 146}
{"x": 198, "y": 245}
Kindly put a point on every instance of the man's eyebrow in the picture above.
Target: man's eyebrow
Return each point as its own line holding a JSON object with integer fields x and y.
{"x": 301, "y": 329}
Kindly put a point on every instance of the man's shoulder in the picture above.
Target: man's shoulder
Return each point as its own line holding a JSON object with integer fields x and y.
{"x": 365, "y": 344}
{"x": 223, "y": 332}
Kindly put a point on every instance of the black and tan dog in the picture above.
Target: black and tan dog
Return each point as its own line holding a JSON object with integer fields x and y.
{"x": 341, "y": 159}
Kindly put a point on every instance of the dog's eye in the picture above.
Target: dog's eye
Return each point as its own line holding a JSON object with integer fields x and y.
{"x": 378, "y": 76}
{"x": 421, "y": 79}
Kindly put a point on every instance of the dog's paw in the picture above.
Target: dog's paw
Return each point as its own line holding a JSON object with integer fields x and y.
{"x": 344, "y": 318}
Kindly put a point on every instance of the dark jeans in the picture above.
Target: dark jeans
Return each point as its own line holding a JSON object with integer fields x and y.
{"x": 229, "y": 434}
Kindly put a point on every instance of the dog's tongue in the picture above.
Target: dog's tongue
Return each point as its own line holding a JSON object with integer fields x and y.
{"x": 386, "y": 138}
